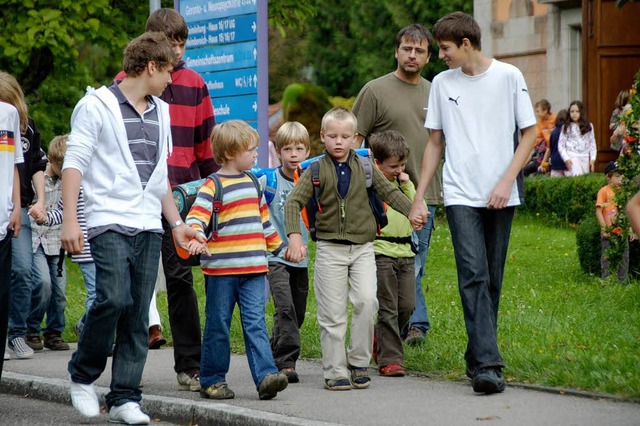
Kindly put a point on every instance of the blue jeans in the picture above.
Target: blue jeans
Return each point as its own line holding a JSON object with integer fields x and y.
{"x": 88, "y": 270}
{"x": 126, "y": 271}
{"x": 20, "y": 293}
{"x": 5, "y": 272}
{"x": 420, "y": 316}
{"x": 480, "y": 239}
{"x": 47, "y": 294}
{"x": 223, "y": 293}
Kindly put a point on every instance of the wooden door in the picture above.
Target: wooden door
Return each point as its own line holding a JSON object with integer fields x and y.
{"x": 611, "y": 38}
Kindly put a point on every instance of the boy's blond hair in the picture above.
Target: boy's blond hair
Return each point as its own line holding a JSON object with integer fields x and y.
{"x": 148, "y": 47}
{"x": 57, "y": 149}
{"x": 232, "y": 138}
{"x": 170, "y": 22}
{"x": 339, "y": 113}
{"x": 292, "y": 133}
{"x": 11, "y": 93}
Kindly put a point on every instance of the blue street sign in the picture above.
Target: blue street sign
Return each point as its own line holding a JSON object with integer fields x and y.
{"x": 199, "y": 10}
{"x": 236, "y": 108}
{"x": 231, "y": 83}
{"x": 223, "y": 31}
{"x": 225, "y": 57}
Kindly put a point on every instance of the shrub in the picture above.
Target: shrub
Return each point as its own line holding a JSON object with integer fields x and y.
{"x": 563, "y": 200}
{"x": 589, "y": 244}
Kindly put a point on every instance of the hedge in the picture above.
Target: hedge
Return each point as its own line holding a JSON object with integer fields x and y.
{"x": 572, "y": 201}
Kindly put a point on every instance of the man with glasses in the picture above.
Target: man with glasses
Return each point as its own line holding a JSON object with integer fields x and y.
{"x": 398, "y": 101}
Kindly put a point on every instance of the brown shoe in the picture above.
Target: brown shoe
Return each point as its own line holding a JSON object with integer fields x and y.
{"x": 55, "y": 343}
{"x": 156, "y": 339}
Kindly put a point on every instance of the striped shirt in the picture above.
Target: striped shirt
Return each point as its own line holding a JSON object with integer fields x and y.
{"x": 143, "y": 133}
{"x": 245, "y": 232}
{"x": 48, "y": 236}
{"x": 54, "y": 217}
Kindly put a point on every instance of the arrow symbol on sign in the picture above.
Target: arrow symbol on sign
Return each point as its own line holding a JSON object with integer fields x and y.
{"x": 255, "y": 80}
{"x": 255, "y": 54}
{"x": 254, "y": 106}
{"x": 253, "y": 26}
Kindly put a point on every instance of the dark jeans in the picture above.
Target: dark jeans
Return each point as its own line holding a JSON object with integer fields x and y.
{"x": 289, "y": 288}
{"x": 396, "y": 300}
{"x": 5, "y": 282}
{"x": 184, "y": 317}
{"x": 126, "y": 271}
{"x": 21, "y": 279}
{"x": 480, "y": 239}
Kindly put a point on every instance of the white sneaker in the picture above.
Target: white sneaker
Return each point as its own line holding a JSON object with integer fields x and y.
{"x": 19, "y": 347}
{"x": 84, "y": 399}
{"x": 129, "y": 414}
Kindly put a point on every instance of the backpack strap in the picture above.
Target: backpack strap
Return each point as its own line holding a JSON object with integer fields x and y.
{"x": 313, "y": 205}
{"x": 216, "y": 206}
{"x": 368, "y": 170}
{"x": 256, "y": 182}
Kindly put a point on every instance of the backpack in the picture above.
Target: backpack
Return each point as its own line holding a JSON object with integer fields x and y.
{"x": 271, "y": 184}
{"x": 185, "y": 195}
{"x": 377, "y": 205}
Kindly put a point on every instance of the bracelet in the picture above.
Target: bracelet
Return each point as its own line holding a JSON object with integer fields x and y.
{"x": 176, "y": 223}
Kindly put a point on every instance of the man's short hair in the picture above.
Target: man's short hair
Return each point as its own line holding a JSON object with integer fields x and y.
{"x": 388, "y": 144}
{"x": 148, "y": 47}
{"x": 231, "y": 138}
{"x": 339, "y": 113}
{"x": 543, "y": 104}
{"x": 416, "y": 33}
{"x": 292, "y": 133}
{"x": 57, "y": 149}
{"x": 170, "y": 22}
{"x": 457, "y": 26}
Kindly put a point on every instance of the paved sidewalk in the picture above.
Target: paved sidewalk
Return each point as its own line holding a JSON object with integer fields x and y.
{"x": 410, "y": 400}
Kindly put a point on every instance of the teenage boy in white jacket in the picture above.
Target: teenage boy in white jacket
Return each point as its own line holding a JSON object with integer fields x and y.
{"x": 118, "y": 146}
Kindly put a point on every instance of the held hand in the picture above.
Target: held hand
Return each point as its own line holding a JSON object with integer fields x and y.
{"x": 40, "y": 216}
{"x": 196, "y": 247}
{"x": 500, "y": 195}
{"x": 296, "y": 250}
{"x": 568, "y": 164}
{"x": 418, "y": 215}
{"x": 15, "y": 221}
{"x": 183, "y": 234}
{"x": 71, "y": 237}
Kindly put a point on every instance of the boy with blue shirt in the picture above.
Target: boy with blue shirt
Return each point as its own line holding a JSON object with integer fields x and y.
{"x": 289, "y": 282}
{"x": 118, "y": 146}
{"x": 345, "y": 269}
{"x": 477, "y": 105}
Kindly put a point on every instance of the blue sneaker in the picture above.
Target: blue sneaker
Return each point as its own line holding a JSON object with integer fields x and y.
{"x": 339, "y": 384}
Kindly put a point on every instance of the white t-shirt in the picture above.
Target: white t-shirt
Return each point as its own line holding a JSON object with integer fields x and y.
{"x": 478, "y": 116}
{"x": 10, "y": 155}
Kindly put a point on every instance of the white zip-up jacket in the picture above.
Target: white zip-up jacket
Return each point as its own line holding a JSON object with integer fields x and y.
{"x": 99, "y": 149}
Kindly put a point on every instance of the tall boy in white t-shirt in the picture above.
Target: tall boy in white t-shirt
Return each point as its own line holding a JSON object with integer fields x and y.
{"x": 477, "y": 106}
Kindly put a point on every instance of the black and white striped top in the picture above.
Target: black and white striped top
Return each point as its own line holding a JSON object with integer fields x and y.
{"x": 54, "y": 217}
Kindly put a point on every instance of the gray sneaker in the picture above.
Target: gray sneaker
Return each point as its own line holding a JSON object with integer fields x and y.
{"x": 189, "y": 380}
{"x": 20, "y": 348}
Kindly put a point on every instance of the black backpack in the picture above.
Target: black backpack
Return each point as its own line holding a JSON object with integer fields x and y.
{"x": 377, "y": 206}
{"x": 185, "y": 195}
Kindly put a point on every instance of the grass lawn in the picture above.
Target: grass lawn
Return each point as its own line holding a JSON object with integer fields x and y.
{"x": 557, "y": 326}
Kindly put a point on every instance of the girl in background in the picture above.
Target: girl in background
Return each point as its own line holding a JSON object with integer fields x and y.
{"x": 577, "y": 143}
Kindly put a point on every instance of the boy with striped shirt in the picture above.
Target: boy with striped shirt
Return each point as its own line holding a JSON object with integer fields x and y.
{"x": 236, "y": 265}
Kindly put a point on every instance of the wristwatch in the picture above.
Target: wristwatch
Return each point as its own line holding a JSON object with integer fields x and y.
{"x": 176, "y": 223}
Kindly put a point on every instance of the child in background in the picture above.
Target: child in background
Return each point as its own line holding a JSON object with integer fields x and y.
{"x": 31, "y": 173}
{"x": 49, "y": 271}
{"x": 84, "y": 260}
{"x": 395, "y": 258}
{"x": 236, "y": 267}
{"x": 606, "y": 212}
{"x": 552, "y": 159}
{"x": 345, "y": 268}
{"x": 577, "y": 143}
{"x": 544, "y": 126}
{"x": 10, "y": 157}
{"x": 289, "y": 281}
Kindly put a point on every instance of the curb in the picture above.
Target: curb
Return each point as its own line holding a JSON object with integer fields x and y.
{"x": 169, "y": 409}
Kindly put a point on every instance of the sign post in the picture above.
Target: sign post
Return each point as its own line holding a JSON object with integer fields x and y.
{"x": 228, "y": 46}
